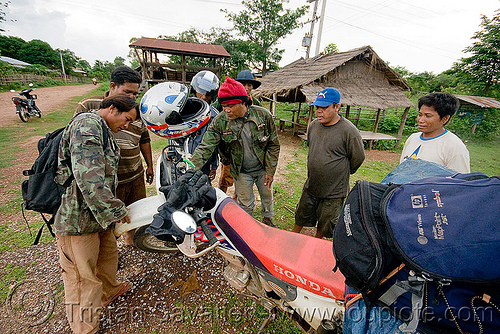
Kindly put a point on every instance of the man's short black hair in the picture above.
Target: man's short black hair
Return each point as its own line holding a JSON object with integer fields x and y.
{"x": 123, "y": 74}
{"x": 443, "y": 103}
{"x": 121, "y": 102}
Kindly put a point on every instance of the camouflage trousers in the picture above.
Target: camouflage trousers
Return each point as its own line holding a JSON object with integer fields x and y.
{"x": 89, "y": 264}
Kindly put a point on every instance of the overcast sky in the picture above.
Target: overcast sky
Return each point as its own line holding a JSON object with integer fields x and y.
{"x": 424, "y": 35}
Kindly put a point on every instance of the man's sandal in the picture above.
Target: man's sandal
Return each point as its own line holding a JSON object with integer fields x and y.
{"x": 125, "y": 286}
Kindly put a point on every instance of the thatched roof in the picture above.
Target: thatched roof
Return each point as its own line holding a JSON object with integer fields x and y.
{"x": 360, "y": 75}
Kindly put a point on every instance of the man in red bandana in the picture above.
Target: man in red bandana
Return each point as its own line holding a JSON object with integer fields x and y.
{"x": 247, "y": 140}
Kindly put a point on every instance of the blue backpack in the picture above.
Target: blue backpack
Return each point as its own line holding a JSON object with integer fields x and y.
{"x": 429, "y": 250}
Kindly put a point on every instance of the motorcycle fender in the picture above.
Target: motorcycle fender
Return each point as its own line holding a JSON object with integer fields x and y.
{"x": 141, "y": 213}
{"x": 314, "y": 308}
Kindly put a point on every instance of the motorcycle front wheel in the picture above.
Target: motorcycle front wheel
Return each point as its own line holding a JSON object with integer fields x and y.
{"x": 150, "y": 243}
{"x": 23, "y": 114}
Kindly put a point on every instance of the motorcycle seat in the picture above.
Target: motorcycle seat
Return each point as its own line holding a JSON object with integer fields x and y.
{"x": 299, "y": 259}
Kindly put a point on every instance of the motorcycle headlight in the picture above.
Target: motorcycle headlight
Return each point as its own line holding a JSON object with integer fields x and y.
{"x": 34, "y": 96}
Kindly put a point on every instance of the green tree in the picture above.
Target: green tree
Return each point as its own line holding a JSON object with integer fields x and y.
{"x": 83, "y": 64}
{"x": 10, "y": 46}
{"x": 39, "y": 52}
{"x": 101, "y": 70}
{"x": 332, "y": 47}
{"x": 483, "y": 65}
{"x": 118, "y": 61}
{"x": 263, "y": 23}
{"x": 132, "y": 56}
{"x": 69, "y": 59}
{"x": 241, "y": 51}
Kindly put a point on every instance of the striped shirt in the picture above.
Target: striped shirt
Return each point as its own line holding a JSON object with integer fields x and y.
{"x": 129, "y": 140}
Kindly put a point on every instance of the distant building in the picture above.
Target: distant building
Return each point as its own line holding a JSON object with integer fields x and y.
{"x": 14, "y": 62}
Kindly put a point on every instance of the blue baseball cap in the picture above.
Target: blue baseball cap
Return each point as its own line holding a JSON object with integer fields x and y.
{"x": 326, "y": 97}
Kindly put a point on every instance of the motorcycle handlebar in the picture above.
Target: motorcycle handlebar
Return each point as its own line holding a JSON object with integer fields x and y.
{"x": 212, "y": 239}
{"x": 201, "y": 218}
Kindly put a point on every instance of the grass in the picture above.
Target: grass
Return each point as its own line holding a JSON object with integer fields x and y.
{"x": 9, "y": 275}
{"x": 485, "y": 157}
{"x": 15, "y": 234}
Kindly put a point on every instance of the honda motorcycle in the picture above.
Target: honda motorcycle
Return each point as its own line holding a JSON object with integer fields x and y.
{"x": 282, "y": 270}
{"x": 25, "y": 106}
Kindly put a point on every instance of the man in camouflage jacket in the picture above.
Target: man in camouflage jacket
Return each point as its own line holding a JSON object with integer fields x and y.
{"x": 247, "y": 140}
{"x": 83, "y": 224}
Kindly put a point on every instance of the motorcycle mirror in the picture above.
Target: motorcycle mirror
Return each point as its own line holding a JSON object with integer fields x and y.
{"x": 184, "y": 222}
{"x": 31, "y": 84}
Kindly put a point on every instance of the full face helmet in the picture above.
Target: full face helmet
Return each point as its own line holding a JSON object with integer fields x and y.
{"x": 205, "y": 83}
{"x": 168, "y": 112}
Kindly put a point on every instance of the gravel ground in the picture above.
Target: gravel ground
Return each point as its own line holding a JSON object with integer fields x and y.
{"x": 171, "y": 293}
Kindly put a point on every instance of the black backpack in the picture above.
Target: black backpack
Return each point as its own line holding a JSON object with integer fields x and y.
{"x": 40, "y": 192}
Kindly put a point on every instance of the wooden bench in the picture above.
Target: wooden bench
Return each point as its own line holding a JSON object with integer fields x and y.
{"x": 295, "y": 126}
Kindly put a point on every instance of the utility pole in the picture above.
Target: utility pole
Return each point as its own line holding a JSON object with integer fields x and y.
{"x": 62, "y": 66}
{"x": 320, "y": 29}
{"x": 307, "y": 41}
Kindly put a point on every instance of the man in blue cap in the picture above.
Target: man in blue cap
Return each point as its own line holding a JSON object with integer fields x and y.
{"x": 335, "y": 151}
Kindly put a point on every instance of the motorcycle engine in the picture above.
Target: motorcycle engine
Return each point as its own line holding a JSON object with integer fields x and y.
{"x": 236, "y": 276}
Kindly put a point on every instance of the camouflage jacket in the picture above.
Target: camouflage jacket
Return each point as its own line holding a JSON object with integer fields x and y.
{"x": 89, "y": 204}
{"x": 225, "y": 134}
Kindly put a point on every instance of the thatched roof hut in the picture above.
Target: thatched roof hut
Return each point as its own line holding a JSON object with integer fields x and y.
{"x": 360, "y": 75}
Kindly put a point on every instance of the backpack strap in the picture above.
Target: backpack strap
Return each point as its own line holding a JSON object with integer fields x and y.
{"x": 49, "y": 227}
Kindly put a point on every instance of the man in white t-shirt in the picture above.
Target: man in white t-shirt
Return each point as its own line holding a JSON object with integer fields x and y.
{"x": 433, "y": 142}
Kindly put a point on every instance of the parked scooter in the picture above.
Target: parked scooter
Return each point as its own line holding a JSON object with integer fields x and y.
{"x": 26, "y": 107}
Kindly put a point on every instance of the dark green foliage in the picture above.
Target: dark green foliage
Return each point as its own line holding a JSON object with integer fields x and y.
{"x": 263, "y": 23}
{"x": 38, "y": 52}
{"x": 10, "y": 46}
{"x": 484, "y": 64}
{"x": 487, "y": 130}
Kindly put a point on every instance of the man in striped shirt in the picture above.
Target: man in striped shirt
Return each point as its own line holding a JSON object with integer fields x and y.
{"x": 132, "y": 142}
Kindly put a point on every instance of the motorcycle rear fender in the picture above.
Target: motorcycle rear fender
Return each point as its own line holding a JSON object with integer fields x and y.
{"x": 140, "y": 213}
{"x": 314, "y": 308}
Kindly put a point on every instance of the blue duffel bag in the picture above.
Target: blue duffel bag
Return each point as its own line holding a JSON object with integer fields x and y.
{"x": 444, "y": 231}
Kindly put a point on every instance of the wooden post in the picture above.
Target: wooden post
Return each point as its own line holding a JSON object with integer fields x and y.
{"x": 377, "y": 120}
{"x": 401, "y": 127}
{"x": 275, "y": 102}
{"x": 183, "y": 69}
{"x": 358, "y": 116}
{"x": 347, "y": 109}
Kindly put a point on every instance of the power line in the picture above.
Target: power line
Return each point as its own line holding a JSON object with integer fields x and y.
{"x": 409, "y": 43}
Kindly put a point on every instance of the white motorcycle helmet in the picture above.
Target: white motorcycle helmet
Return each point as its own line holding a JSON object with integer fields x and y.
{"x": 205, "y": 83}
{"x": 168, "y": 112}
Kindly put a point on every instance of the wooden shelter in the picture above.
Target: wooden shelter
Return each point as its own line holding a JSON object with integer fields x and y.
{"x": 148, "y": 49}
{"x": 473, "y": 108}
{"x": 362, "y": 77}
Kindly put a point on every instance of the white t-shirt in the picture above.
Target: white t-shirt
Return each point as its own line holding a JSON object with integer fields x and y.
{"x": 446, "y": 149}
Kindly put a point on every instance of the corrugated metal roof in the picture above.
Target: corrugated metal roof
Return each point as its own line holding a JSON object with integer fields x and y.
{"x": 178, "y": 48}
{"x": 483, "y": 102}
{"x": 14, "y": 62}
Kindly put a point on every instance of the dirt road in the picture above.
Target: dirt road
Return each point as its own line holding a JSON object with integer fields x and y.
{"x": 49, "y": 98}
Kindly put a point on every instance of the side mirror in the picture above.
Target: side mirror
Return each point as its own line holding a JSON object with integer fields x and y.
{"x": 184, "y": 222}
